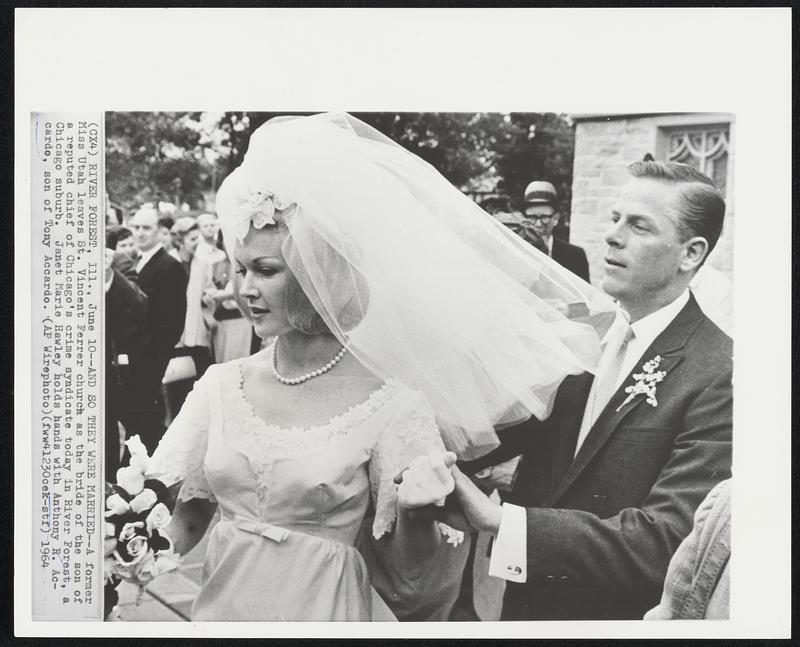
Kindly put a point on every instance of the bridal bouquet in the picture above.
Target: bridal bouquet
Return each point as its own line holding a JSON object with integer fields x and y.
{"x": 136, "y": 515}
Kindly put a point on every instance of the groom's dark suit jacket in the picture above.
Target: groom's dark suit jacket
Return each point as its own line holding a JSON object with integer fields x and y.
{"x": 602, "y": 527}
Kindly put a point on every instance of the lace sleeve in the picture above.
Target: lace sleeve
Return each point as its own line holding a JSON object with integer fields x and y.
{"x": 180, "y": 454}
{"x": 411, "y": 432}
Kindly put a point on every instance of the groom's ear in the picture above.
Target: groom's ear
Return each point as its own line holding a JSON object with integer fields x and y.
{"x": 694, "y": 251}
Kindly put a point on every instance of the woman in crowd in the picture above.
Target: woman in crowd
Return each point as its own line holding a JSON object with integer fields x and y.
{"x": 209, "y": 237}
{"x": 401, "y": 319}
{"x": 120, "y": 239}
{"x": 195, "y": 340}
{"x": 186, "y": 236}
{"x": 231, "y": 331}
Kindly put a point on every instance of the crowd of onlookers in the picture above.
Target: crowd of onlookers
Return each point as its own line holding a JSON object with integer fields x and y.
{"x": 170, "y": 314}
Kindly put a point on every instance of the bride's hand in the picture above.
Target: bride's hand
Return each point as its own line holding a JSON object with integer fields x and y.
{"x": 427, "y": 480}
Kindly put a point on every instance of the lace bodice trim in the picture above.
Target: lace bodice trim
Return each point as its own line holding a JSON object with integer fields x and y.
{"x": 264, "y": 443}
{"x": 349, "y": 418}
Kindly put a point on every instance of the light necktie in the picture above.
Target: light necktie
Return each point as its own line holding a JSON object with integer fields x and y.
{"x": 607, "y": 381}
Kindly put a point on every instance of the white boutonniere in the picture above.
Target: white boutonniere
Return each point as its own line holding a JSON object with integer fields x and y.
{"x": 646, "y": 382}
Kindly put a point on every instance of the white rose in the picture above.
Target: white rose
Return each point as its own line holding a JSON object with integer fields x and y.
{"x": 137, "y": 549}
{"x": 109, "y": 529}
{"x": 136, "y": 446}
{"x": 128, "y": 531}
{"x": 140, "y": 462}
{"x": 137, "y": 546}
{"x": 158, "y": 518}
{"x": 144, "y": 500}
{"x": 116, "y": 505}
{"x": 130, "y": 479}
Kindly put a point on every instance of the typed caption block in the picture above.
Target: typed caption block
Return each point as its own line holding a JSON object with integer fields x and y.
{"x": 68, "y": 213}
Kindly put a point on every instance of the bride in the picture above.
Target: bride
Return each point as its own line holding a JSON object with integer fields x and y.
{"x": 403, "y": 320}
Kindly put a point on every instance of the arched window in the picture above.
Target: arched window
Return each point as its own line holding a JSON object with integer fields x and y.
{"x": 704, "y": 147}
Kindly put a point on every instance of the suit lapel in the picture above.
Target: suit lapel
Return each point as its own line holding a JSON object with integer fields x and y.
{"x": 149, "y": 267}
{"x": 669, "y": 345}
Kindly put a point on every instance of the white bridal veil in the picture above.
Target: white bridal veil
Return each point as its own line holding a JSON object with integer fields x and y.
{"x": 413, "y": 277}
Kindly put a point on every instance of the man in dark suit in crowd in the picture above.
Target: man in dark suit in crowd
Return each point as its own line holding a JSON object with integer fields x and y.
{"x": 608, "y": 483}
{"x": 541, "y": 211}
{"x": 126, "y": 309}
{"x": 163, "y": 280}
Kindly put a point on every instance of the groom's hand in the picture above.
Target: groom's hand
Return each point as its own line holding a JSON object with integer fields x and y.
{"x": 479, "y": 510}
{"x": 424, "y": 486}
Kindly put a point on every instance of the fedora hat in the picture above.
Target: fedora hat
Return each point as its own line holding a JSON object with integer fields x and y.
{"x": 539, "y": 192}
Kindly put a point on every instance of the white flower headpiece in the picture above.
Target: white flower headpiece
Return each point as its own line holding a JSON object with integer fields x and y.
{"x": 259, "y": 210}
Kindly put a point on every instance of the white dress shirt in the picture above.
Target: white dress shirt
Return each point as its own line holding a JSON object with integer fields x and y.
{"x": 144, "y": 257}
{"x": 509, "y": 553}
{"x": 548, "y": 243}
{"x": 645, "y": 331}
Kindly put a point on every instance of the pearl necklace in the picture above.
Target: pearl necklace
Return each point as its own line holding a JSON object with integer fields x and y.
{"x": 307, "y": 376}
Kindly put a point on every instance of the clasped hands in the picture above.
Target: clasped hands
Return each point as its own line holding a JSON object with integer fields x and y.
{"x": 424, "y": 486}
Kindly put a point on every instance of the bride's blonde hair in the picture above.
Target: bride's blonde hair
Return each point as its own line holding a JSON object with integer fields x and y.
{"x": 345, "y": 281}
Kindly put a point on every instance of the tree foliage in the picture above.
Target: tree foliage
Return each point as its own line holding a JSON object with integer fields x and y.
{"x": 161, "y": 156}
{"x": 541, "y": 147}
{"x": 181, "y": 157}
{"x": 455, "y": 144}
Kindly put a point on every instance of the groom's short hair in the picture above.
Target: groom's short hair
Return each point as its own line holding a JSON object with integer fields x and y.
{"x": 702, "y": 205}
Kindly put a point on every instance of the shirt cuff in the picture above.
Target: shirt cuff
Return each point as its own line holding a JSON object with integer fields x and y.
{"x": 509, "y": 554}
{"x": 109, "y": 282}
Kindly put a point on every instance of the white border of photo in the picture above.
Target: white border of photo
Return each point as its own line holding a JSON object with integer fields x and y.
{"x": 562, "y": 60}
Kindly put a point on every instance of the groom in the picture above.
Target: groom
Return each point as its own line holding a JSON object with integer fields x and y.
{"x": 608, "y": 484}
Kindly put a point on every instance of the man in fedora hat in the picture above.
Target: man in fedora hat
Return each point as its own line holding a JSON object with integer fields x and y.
{"x": 541, "y": 211}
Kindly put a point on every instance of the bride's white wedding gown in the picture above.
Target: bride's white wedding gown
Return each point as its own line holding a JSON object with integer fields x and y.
{"x": 292, "y": 501}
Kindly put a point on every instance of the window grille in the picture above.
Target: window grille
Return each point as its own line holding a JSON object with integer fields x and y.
{"x": 704, "y": 148}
